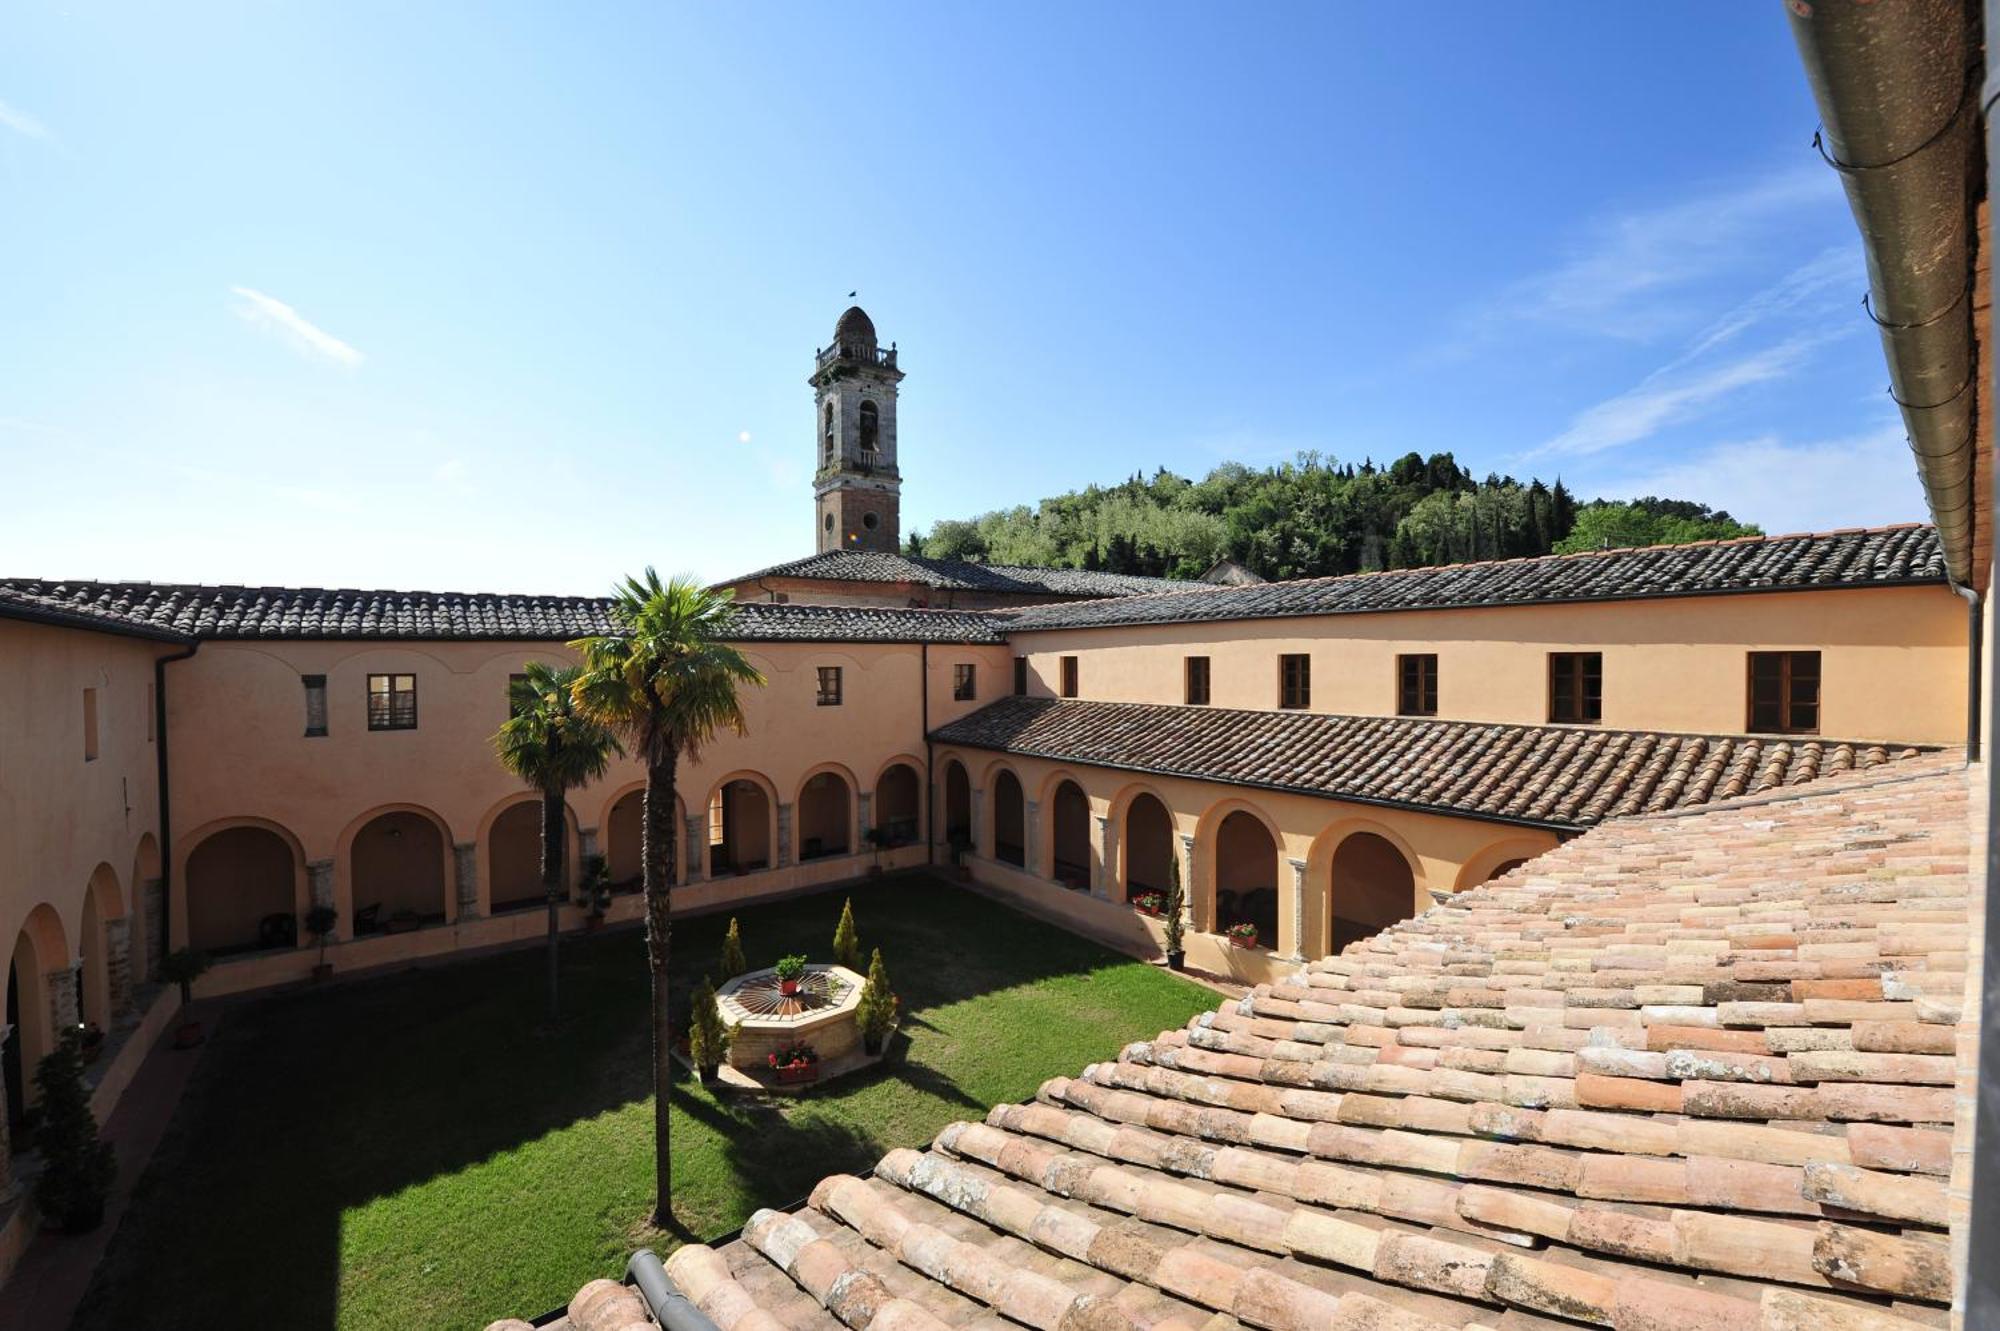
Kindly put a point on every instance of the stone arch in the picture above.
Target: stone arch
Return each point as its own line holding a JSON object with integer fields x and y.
{"x": 898, "y": 807}
{"x": 823, "y": 815}
{"x": 510, "y": 854}
{"x": 1069, "y": 834}
{"x": 957, "y": 802}
{"x": 100, "y": 945}
{"x": 1010, "y": 817}
{"x": 144, "y": 906}
{"x": 1502, "y": 856}
{"x": 1240, "y": 883}
{"x": 622, "y": 837}
{"x": 243, "y": 877}
{"x": 1146, "y": 844}
{"x": 399, "y": 869}
{"x": 741, "y": 822}
{"x": 40, "y": 951}
{"x": 1372, "y": 884}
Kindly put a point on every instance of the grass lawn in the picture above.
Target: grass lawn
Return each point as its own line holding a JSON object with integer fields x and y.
{"x": 420, "y": 1151}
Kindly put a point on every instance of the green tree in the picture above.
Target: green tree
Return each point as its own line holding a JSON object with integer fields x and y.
{"x": 550, "y": 743}
{"x": 708, "y": 1033}
{"x": 1611, "y": 526}
{"x": 876, "y": 1012}
{"x": 846, "y": 946}
{"x": 667, "y": 681}
{"x": 77, "y": 1168}
{"x": 733, "y": 963}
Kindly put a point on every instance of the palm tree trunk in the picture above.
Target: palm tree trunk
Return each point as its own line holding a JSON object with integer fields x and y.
{"x": 658, "y": 855}
{"x": 552, "y": 875}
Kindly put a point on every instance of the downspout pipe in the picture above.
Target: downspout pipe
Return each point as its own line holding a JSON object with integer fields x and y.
{"x": 670, "y": 1307}
{"x": 1975, "y": 667}
{"x": 165, "y": 793}
{"x": 1898, "y": 104}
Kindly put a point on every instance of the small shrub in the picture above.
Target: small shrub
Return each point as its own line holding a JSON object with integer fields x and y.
{"x": 790, "y": 968}
{"x": 78, "y": 1168}
{"x": 320, "y": 920}
{"x": 877, "y": 1009}
{"x": 184, "y": 967}
{"x": 846, "y": 945}
{"x": 733, "y": 963}
{"x": 708, "y": 1034}
{"x": 595, "y": 887}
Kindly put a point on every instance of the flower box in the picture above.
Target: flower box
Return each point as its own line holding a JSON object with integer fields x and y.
{"x": 1150, "y": 903}
{"x": 793, "y": 1074}
{"x": 1243, "y": 935}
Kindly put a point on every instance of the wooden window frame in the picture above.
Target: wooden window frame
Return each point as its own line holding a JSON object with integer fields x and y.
{"x": 1294, "y": 681}
{"x": 964, "y": 682}
{"x": 1069, "y": 675}
{"x": 1576, "y": 667}
{"x": 1426, "y": 684}
{"x": 392, "y": 718}
{"x": 1787, "y": 660}
{"x": 1195, "y": 680}
{"x": 1020, "y": 677}
{"x": 315, "y": 687}
{"x": 825, "y": 675}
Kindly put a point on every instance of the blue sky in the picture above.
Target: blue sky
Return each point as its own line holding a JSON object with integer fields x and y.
{"x": 522, "y": 297}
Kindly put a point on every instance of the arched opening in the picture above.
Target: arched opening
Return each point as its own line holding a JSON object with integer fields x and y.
{"x": 826, "y": 444}
{"x": 145, "y": 927}
{"x": 1502, "y": 869}
{"x": 1149, "y": 847}
{"x": 1009, "y": 820}
{"x": 40, "y": 952}
{"x": 397, "y": 863}
{"x": 514, "y": 857}
{"x": 103, "y": 904}
{"x": 1372, "y": 888}
{"x": 896, "y": 796}
{"x": 826, "y": 813}
{"x": 957, "y": 804}
{"x": 240, "y": 892}
{"x": 1069, "y": 815}
{"x": 871, "y": 424}
{"x": 1246, "y": 876}
{"x": 739, "y": 828}
{"x": 625, "y": 842}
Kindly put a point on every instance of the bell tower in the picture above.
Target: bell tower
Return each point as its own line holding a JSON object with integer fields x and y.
{"x": 857, "y": 490}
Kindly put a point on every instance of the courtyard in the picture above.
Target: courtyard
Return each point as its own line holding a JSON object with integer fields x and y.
{"x": 421, "y": 1149}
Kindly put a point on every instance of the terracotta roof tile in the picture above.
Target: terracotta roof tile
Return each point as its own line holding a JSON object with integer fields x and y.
{"x": 1552, "y": 776}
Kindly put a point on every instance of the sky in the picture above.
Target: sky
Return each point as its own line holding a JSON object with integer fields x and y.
{"x": 523, "y": 297}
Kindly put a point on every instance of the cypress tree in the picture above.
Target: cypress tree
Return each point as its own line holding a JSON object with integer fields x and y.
{"x": 733, "y": 963}
{"x": 846, "y": 945}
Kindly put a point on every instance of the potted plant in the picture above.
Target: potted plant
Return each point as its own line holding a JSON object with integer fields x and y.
{"x": 77, "y": 1168}
{"x": 91, "y": 1037}
{"x": 183, "y": 968}
{"x": 878, "y": 841}
{"x": 961, "y": 850}
{"x": 1176, "y": 908}
{"x": 595, "y": 889}
{"x": 708, "y": 1034}
{"x": 876, "y": 1012}
{"x": 790, "y": 970}
{"x": 320, "y": 920}
{"x": 1243, "y": 934}
{"x": 1150, "y": 903}
{"x": 795, "y": 1063}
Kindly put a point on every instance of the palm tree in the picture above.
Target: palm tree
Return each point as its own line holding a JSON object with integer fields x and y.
{"x": 667, "y": 682}
{"x": 552, "y": 745}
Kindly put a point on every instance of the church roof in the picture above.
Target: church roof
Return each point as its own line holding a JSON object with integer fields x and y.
{"x": 964, "y": 575}
{"x": 854, "y": 326}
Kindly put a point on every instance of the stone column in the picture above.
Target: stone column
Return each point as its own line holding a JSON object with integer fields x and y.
{"x": 697, "y": 847}
{"x": 1297, "y": 951}
{"x": 864, "y": 808}
{"x": 1031, "y": 837}
{"x": 118, "y": 964}
{"x": 62, "y": 991}
{"x": 784, "y": 858}
{"x": 586, "y": 844}
{"x": 974, "y": 820}
{"x": 465, "y": 856}
{"x": 319, "y": 882}
{"x": 1104, "y": 864}
{"x": 1198, "y": 911}
{"x": 153, "y": 893}
{"x": 6, "y": 1146}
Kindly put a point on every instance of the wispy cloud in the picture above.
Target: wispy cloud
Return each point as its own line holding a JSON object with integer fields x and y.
{"x": 1627, "y": 275}
{"x": 267, "y": 312}
{"x": 22, "y": 123}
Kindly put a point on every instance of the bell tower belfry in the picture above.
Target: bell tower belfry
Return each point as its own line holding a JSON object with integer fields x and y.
{"x": 857, "y": 491}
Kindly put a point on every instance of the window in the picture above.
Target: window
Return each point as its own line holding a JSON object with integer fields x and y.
{"x": 964, "y": 683}
{"x": 827, "y": 443}
{"x": 90, "y": 725}
{"x": 1295, "y": 680}
{"x": 870, "y": 521}
{"x": 1020, "y": 677}
{"x": 315, "y": 704}
{"x": 1784, "y": 693}
{"x": 1576, "y": 687}
{"x": 1197, "y": 681}
{"x": 392, "y": 702}
{"x": 829, "y": 686}
{"x": 1417, "y": 685}
{"x": 828, "y": 524}
{"x": 870, "y": 426}
{"x": 1069, "y": 677}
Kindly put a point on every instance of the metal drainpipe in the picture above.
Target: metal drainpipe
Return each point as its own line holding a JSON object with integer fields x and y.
{"x": 930, "y": 767}
{"x": 1975, "y": 650}
{"x": 166, "y": 813}
{"x": 671, "y": 1308}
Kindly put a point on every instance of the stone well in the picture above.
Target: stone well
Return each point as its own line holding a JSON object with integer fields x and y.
{"x": 822, "y": 1014}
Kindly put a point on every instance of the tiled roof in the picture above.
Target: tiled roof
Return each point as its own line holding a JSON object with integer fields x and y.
{"x": 963, "y": 575}
{"x": 311, "y": 612}
{"x": 1887, "y": 556}
{"x": 1552, "y": 776}
{"x": 26, "y": 600}
{"x": 1687, "y": 1071}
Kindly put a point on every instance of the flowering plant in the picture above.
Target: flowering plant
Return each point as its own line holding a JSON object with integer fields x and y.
{"x": 1150, "y": 902}
{"x": 794, "y": 1056}
{"x": 1243, "y": 934}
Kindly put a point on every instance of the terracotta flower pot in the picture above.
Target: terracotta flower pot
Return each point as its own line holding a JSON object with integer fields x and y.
{"x": 789, "y": 988}
{"x": 187, "y": 1035}
{"x": 796, "y": 1073}
{"x": 1177, "y": 959}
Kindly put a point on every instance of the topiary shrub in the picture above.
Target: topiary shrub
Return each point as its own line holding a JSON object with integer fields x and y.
{"x": 733, "y": 963}
{"x": 846, "y": 945}
{"x": 708, "y": 1034}
{"x": 877, "y": 1010}
{"x": 77, "y": 1167}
